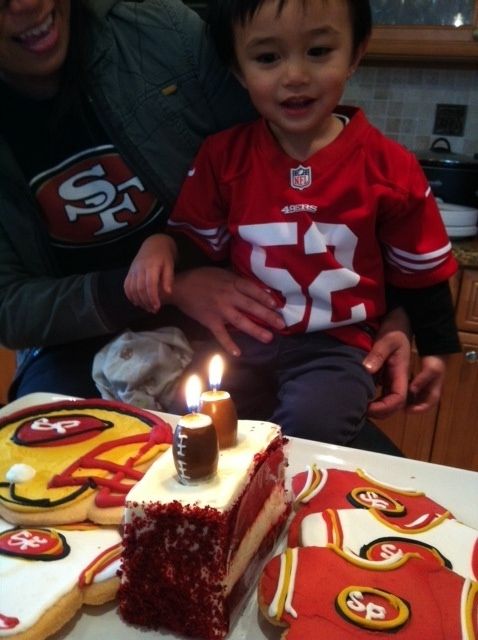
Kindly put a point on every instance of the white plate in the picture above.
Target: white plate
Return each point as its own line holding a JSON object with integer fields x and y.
{"x": 456, "y": 215}
{"x": 457, "y": 208}
{"x": 456, "y": 489}
{"x": 31, "y": 400}
{"x": 461, "y": 232}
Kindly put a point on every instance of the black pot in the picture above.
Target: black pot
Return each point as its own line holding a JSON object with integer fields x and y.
{"x": 453, "y": 177}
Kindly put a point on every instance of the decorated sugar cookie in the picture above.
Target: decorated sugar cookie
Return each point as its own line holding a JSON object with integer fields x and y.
{"x": 322, "y": 593}
{"x": 47, "y": 574}
{"x": 69, "y": 461}
{"x": 317, "y": 489}
{"x": 369, "y": 535}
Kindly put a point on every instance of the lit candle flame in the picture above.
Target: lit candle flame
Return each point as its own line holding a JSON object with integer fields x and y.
{"x": 216, "y": 369}
{"x": 193, "y": 393}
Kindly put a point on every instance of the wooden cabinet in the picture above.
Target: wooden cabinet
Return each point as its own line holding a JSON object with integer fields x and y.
{"x": 455, "y": 441}
{"x": 449, "y": 434}
{"x": 7, "y": 369}
{"x": 444, "y": 32}
{"x": 414, "y": 30}
{"x": 456, "y": 434}
{"x": 413, "y": 434}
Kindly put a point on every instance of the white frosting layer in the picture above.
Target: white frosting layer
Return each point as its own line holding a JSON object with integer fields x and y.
{"x": 30, "y": 587}
{"x": 160, "y": 483}
{"x": 195, "y": 421}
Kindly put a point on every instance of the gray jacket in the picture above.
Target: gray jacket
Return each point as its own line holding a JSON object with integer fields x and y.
{"x": 159, "y": 89}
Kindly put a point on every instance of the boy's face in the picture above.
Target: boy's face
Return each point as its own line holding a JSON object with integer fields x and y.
{"x": 295, "y": 65}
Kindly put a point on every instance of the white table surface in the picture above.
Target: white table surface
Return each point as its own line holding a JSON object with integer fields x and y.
{"x": 456, "y": 489}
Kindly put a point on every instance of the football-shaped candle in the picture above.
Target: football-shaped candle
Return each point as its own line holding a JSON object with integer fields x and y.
{"x": 219, "y": 406}
{"x": 195, "y": 446}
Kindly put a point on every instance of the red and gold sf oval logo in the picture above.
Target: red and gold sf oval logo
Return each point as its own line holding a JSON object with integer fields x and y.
{"x": 372, "y": 498}
{"x": 372, "y": 608}
{"x": 55, "y": 429}
{"x": 396, "y": 547}
{"x": 33, "y": 544}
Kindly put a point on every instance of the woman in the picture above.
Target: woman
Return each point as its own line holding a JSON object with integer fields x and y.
{"x": 103, "y": 107}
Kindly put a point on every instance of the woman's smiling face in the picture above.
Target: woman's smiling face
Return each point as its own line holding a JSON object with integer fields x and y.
{"x": 34, "y": 37}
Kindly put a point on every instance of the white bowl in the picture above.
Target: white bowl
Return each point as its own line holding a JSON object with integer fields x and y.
{"x": 461, "y": 232}
{"x": 456, "y": 215}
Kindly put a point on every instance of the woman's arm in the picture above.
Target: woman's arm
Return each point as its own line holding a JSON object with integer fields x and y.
{"x": 432, "y": 320}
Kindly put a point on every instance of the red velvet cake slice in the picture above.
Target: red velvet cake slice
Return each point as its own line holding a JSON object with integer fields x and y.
{"x": 193, "y": 552}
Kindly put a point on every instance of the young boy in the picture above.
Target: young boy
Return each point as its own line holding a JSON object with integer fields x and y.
{"x": 318, "y": 206}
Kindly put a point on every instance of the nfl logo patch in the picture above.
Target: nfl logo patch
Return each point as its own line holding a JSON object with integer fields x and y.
{"x": 300, "y": 177}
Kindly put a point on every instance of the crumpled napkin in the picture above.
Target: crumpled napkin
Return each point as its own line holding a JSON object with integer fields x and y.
{"x": 142, "y": 368}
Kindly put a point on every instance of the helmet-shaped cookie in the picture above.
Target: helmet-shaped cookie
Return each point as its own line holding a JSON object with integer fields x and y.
{"x": 70, "y": 461}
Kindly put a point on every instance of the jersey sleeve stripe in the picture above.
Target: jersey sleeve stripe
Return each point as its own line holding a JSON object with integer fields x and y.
{"x": 421, "y": 257}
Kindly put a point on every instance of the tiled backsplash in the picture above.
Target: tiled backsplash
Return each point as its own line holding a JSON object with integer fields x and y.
{"x": 402, "y": 101}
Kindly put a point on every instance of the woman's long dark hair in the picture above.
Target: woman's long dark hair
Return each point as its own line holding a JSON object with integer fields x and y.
{"x": 73, "y": 81}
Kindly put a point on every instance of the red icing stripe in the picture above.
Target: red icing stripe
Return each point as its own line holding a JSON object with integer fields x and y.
{"x": 6, "y": 622}
{"x": 112, "y": 490}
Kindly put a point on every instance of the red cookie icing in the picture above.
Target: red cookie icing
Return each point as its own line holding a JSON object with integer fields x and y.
{"x": 335, "y": 597}
{"x": 33, "y": 544}
{"x": 7, "y": 622}
{"x": 342, "y": 489}
{"x": 77, "y": 448}
{"x": 58, "y": 430}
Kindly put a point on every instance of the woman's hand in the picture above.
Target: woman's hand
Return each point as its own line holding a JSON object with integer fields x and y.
{"x": 217, "y": 298}
{"x": 425, "y": 389}
{"x": 390, "y": 355}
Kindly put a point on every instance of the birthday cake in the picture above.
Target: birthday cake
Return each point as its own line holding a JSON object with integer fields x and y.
{"x": 73, "y": 460}
{"x": 192, "y": 552}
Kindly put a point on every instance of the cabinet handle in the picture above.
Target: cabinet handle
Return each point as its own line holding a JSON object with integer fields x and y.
{"x": 471, "y": 356}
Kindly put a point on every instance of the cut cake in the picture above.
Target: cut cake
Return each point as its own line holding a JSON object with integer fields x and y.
{"x": 191, "y": 553}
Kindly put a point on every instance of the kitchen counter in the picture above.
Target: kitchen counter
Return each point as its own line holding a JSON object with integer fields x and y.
{"x": 466, "y": 252}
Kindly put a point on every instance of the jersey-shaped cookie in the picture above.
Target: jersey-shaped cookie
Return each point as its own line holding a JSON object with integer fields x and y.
{"x": 317, "y": 489}
{"x": 69, "y": 461}
{"x": 323, "y": 593}
{"x": 47, "y": 574}
{"x": 369, "y": 535}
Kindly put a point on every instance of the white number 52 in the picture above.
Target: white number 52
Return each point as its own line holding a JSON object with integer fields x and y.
{"x": 316, "y": 239}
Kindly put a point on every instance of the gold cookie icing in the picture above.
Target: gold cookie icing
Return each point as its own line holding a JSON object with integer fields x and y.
{"x": 69, "y": 461}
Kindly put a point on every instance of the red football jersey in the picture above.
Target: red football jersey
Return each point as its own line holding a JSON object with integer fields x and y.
{"x": 323, "y": 234}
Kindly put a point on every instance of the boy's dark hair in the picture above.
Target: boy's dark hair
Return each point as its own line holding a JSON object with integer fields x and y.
{"x": 223, "y": 15}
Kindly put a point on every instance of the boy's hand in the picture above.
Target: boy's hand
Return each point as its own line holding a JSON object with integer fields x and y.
{"x": 152, "y": 270}
{"x": 220, "y": 300}
{"x": 425, "y": 389}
